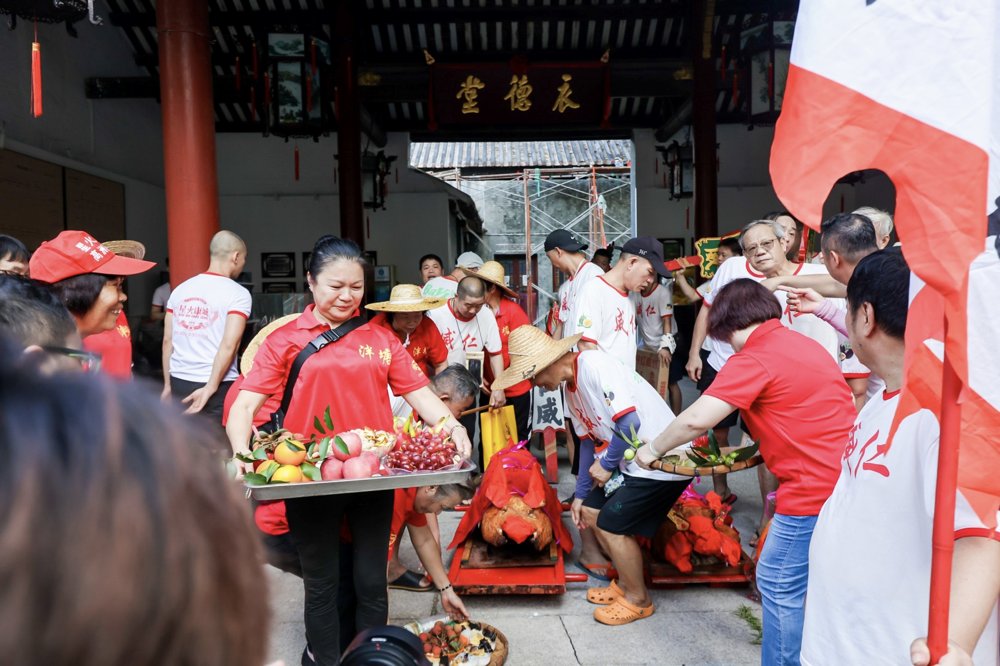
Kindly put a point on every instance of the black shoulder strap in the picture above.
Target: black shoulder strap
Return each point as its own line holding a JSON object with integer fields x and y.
{"x": 320, "y": 341}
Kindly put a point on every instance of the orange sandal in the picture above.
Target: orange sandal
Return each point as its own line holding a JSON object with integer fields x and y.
{"x": 605, "y": 595}
{"x": 621, "y": 612}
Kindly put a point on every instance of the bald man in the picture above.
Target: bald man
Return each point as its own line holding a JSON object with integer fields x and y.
{"x": 203, "y": 327}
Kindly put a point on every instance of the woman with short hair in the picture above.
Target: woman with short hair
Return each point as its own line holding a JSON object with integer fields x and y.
{"x": 792, "y": 395}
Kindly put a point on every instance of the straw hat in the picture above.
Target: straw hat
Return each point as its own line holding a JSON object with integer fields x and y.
{"x": 246, "y": 363}
{"x": 492, "y": 272}
{"x": 127, "y": 248}
{"x": 407, "y": 298}
{"x": 531, "y": 351}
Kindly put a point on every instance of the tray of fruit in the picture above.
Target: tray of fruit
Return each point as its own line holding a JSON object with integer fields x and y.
{"x": 466, "y": 643}
{"x": 287, "y": 465}
{"x": 706, "y": 457}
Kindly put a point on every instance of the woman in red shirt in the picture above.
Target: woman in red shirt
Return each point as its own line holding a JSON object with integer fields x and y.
{"x": 403, "y": 314}
{"x": 792, "y": 395}
{"x": 350, "y": 377}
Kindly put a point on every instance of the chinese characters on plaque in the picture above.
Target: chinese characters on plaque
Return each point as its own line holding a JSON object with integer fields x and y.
{"x": 493, "y": 94}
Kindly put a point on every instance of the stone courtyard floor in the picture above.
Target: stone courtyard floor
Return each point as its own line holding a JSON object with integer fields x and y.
{"x": 694, "y": 626}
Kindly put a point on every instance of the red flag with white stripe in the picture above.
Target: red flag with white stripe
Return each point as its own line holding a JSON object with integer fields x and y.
{"x": 913, "y": 89}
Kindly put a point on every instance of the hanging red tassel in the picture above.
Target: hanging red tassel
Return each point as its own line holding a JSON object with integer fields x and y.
{"x": 238, "y": 76}
{"x": 770, "y": 81}
{"x": 253, "y": 103}
{"x": 36, "y": 76}
{"x": 296, "y": 162}
{"x": 722, "y": 66}
{"x": 256, "y": 71}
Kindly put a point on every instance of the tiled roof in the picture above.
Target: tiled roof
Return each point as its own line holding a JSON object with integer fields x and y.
{"x": 521, "y": 154}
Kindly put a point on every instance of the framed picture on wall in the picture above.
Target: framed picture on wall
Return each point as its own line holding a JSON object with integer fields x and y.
{"x": 673, "y": 248}
{"x": 279, "y": 287}
{"x": 277, "y": 264}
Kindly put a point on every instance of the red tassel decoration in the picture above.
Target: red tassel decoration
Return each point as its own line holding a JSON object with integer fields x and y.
{"x": 238, "y": 76}
{"x": 256, "y": 71}
{"x": 722, "y": 67}
{"x": 36, "y": 76}
{"x": 296, "y": 163}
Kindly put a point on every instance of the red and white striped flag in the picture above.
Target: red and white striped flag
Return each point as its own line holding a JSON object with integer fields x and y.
{"x": 913, "y": 88}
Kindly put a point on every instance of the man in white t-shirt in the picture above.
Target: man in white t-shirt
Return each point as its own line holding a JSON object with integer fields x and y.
{"x": 870, "y": 556}
{"x": 205, "y": 319}
{"x": 654, "y": 316}
{"x": 606, "y": 404}
{"x": 446, "y": 285}
{"x": 604, "y": 314}
{"x": 565, "y": 251}
{"x": 158, "y": 310}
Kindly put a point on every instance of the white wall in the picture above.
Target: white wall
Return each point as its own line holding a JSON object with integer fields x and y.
{"x": 115, "y": 139}
{"x": 745, "y": 191}
{"x": 261, "y": 201}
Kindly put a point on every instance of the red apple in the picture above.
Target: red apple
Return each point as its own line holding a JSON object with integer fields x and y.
{"x": 357, "y": 468}
{"x": 331, "y": 469}
{"x": 371, "y": 459}
{"x": 346, "y": 445}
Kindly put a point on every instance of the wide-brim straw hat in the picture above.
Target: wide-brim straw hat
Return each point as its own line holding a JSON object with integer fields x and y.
{"x": 126, "y": 248}
{"x": 407, "y": 298}
{"x": 492, "y": 272}
{"x": 531, "y": 351}
{"x": 246, "y": 362}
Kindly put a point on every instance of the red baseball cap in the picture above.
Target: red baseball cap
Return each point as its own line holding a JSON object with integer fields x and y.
{"x": 78, "y": 253}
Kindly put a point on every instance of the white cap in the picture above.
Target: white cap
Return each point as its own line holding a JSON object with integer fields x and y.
{"x": 469, "y": 260}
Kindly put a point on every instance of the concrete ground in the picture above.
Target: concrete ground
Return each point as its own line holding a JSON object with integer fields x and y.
{"x": 695, "y": 626}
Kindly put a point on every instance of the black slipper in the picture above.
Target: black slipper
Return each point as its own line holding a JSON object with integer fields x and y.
{"x": 410, "y": 581}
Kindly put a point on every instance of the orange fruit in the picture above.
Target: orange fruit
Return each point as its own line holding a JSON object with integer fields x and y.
{"x": 290, "y": 452}
{"x": 287, "y": 474}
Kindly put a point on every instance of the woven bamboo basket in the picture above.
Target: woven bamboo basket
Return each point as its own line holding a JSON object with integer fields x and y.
{"x": 684, "y": 470}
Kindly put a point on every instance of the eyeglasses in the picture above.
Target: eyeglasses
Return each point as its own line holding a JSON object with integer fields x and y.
{"x": 89, "y": 361}
{"x": 764, "y": 245}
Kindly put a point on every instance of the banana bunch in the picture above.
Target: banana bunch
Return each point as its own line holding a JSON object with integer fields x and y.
{"x": 711, "y": 454}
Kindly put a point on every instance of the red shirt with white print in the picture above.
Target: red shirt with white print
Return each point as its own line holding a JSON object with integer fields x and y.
{"x": 424, "y": 344}
{"x": 870, "y": 555}
{"x": 801, "y": 418}
{"x": 460, "y": 335}
{"x": 509, "y": 316}
{"x": 606, "y": 317}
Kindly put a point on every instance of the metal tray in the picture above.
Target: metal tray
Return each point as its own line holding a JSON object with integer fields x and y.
{"x": 281, "y": 491}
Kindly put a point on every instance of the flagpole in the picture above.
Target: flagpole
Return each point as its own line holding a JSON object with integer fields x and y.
{"x": 943, "y": 539}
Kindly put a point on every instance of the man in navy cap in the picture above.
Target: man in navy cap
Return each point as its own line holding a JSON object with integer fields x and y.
{"x": 565, "y": 251}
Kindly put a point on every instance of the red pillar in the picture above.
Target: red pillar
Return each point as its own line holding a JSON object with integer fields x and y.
{"x": 349, "y": 132}
{"x": 706, "y": 181}
{"x": 192, "y": 192}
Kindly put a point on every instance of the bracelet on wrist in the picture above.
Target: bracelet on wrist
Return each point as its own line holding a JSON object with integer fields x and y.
{"x": 445, "y": 588}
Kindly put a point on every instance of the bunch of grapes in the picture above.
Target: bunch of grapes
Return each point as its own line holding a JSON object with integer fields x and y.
{"x": 425, "y": 449}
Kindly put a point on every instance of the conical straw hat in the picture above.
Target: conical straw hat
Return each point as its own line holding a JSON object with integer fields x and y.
{"x": 246, "y": 362}
{"x": 126, "y": 248}
{"x": 406, "y": 298}
{"x": 531, "y": 351}
{"x": 492, "y": 272}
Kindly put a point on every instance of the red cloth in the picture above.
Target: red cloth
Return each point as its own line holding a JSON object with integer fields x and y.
{"x": 801, "y": 411}
{"x": 425, "y": 346}
{"x": 514, "y": 471}
{"x": 349, "y": 376}
{"x": 114, "y": 347}
{"x": 509, "y": 316}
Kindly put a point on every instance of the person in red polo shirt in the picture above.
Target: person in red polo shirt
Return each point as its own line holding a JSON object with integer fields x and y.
{"x": 509, "y": 316}
{"x": 802, "y": 413}
{"x": 349, "y": 377}
{"x": 403, "y": 314}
